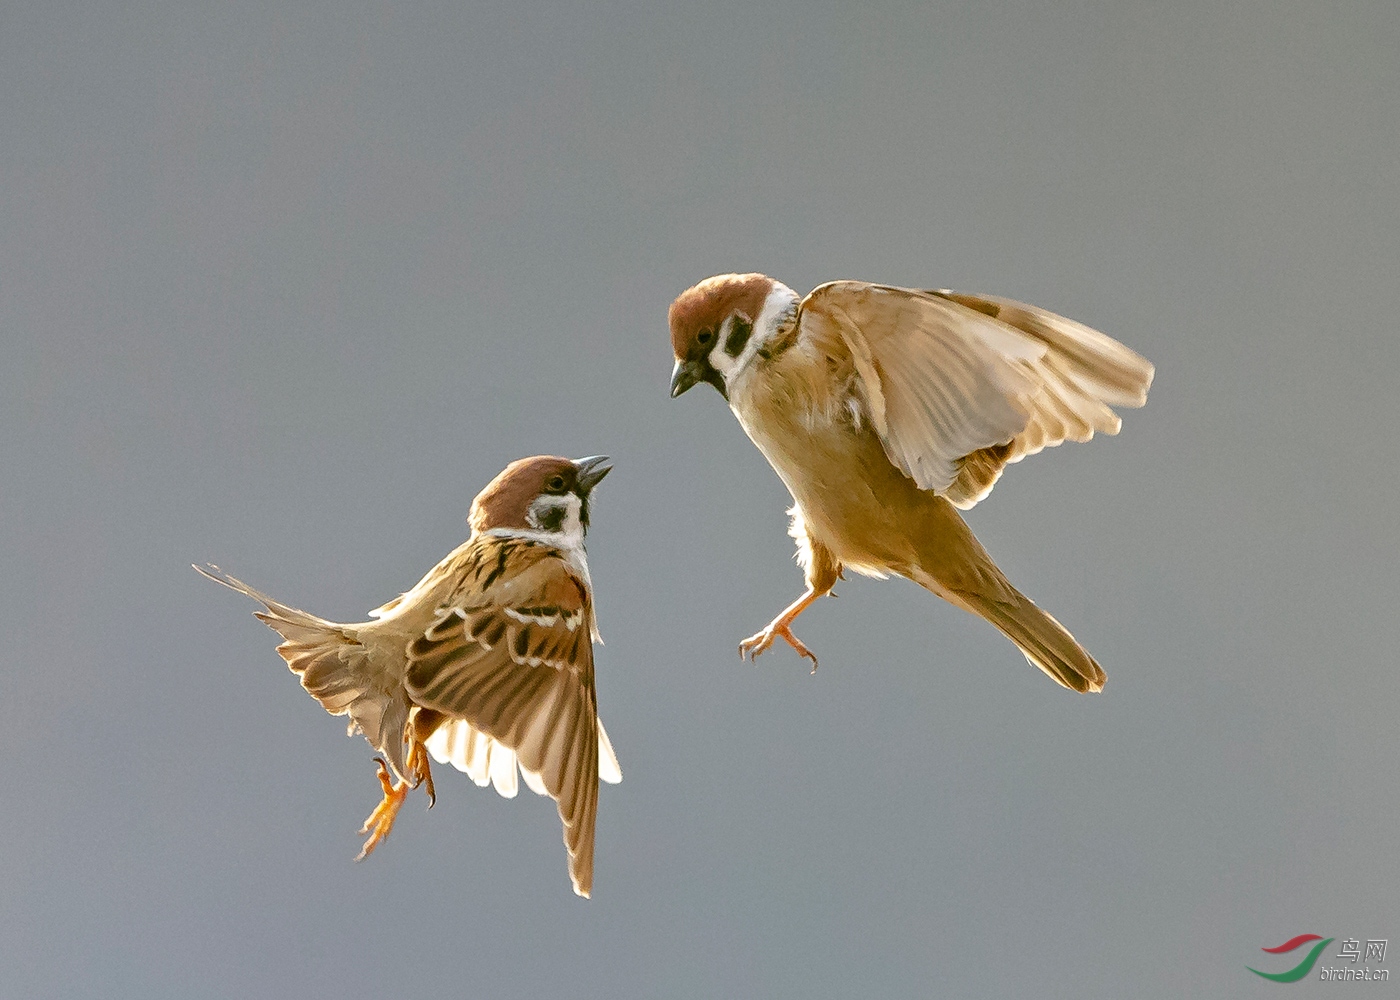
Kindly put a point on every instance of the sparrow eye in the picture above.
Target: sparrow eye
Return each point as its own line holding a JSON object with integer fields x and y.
{"x": 556, "y": 484}
{"x": 704, "y": 337}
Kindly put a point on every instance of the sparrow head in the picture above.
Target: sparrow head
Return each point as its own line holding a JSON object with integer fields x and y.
{"x": 721, "y": 324}
{"x": 544, "y": 495}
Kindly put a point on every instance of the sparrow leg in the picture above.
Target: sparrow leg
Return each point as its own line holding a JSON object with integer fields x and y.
{"x": 381, "y": 821}
{"x": 418, "y": 760}
{"x": 755, "y": 644}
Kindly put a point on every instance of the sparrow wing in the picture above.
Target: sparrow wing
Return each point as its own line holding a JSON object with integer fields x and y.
{"x": 957, "y": 385}
{"x": 511, "y": 655}
{"x": 470, "y": 750}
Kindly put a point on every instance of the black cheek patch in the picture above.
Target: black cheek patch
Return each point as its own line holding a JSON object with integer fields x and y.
{"x": 552, "y": 519}
{"x": 739, "y": 335}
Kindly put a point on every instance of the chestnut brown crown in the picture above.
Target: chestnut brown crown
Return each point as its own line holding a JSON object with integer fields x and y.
{"x": 704, "y": 307}
{"x": 506, "y": 500}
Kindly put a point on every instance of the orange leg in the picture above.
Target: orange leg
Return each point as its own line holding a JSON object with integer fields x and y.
{"x": 418, "y": 760}
{"x": 759, "y": 642}
{"x": 381, "y": 821}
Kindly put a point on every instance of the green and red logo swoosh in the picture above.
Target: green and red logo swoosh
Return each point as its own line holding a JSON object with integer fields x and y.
{"x": 1302, "y": 968}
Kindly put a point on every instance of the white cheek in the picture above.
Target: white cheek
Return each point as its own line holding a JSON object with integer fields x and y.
{"x": 570, "y": 525}
{"x": 721, "y": 362}
{"x": 778, "y": 310}
{"x": 573, "y": 523}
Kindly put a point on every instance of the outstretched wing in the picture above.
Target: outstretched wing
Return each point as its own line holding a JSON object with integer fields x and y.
{"x": 488, "y": 762}
{"x": 515, "y": 661}
{"x": 957, "y": 385}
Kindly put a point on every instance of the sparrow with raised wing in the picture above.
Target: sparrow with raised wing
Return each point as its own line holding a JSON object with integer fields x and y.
{"x": 487, "y": 663}
{"x": 886, "y": 410}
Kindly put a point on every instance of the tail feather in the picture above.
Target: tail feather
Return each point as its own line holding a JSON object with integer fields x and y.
{"x": 335, "y": 670}
{"x": 1045, "y": 642}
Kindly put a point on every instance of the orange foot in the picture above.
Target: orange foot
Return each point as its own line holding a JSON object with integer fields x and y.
{"x": 758, "y": 643}
{"x": 381, "y": 821}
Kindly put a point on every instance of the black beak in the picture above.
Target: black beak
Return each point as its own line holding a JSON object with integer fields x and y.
{"x": 591, "y": 472}
{"x": 683, "y": 376}
{"x": 689, "y": 373}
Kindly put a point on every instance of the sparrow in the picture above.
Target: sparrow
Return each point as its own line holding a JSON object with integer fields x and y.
{"x": 487, "y": 663}
{"x": 887, "y": 410}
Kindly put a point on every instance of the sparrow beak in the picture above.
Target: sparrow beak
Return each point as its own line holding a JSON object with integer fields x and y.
{"x": 591, "y": 471}
{"x": 688, "y": 373}
{"x": 683, "y": 376}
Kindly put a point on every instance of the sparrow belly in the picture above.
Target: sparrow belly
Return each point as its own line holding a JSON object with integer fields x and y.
{"x": 869, "y": 514}
{"x": 853, "y": 501}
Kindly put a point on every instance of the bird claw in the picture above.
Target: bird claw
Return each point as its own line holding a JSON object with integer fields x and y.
{"x": 758, "y": 643}
{"x": 381, "y": 821}
{"x": 419, "y": 760}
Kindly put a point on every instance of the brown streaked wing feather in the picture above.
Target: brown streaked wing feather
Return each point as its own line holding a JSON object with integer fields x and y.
{"x": 1081, "y": 365}
{"x": 516, "y": 661}
{"x": 957, "y": 386}
{"x": 1116, "y": 374}
{"x": 978, "y": 473}
{"x": 933, "y": 391}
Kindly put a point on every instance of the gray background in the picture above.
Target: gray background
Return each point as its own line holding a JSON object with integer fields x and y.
{"x": 283, "y": 288}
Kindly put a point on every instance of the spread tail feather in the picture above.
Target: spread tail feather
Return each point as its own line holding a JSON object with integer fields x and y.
{"x": 335, "y": 669}
{"x": 1044, "y": 641}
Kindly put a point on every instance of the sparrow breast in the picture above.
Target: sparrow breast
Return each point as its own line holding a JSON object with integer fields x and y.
{"x": 832, "y": 462}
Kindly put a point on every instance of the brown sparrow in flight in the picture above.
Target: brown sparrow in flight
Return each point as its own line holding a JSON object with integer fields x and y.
{"x": 884, "y": 410}
{"x": 486, "y": 663}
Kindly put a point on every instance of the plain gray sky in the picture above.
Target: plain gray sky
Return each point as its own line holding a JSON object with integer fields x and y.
{"x": 282, "y": 286}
